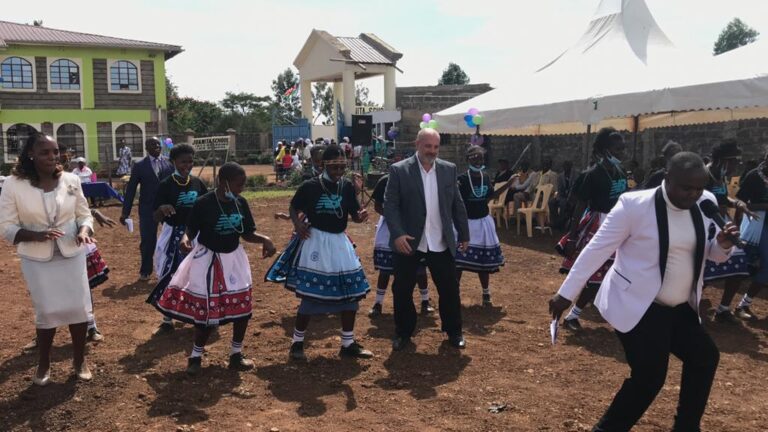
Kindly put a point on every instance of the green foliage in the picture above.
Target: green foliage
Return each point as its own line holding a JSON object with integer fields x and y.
{"x": 362, "y": 98}
{"x": 286, "y": 107}
{"x": 252, "y": 158}
{"x": 322, "y": 101}
{"x": 255, "y": 181}
{"x": 734, "y": 35}
{"x": 453, "y": 75}
{"x": 266, "y": 159}
{"x": 269, "y": 193}
{"x": 295, "y": 178}
{"x": 244, "y": 103}
{"x": 189, "y": 113}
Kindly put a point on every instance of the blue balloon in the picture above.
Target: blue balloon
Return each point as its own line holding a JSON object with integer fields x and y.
{"x": 468, "y": 118}
{"x": 471, "y": 124}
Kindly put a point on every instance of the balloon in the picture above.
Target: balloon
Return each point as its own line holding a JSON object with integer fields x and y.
{"x": 426, "y": 118}
{"x": 478, "y": 120}
{"x": 468, "y": 118}
{"x": 471, "y": 124}
{"x": 422, "y": 125}
{"x": 433, "y": 124}
{"x": 391, "y": 134}
{"x": 473, "y": 111}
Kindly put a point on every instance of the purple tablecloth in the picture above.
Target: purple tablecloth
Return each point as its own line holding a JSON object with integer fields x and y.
{"x": 100, "y": 190}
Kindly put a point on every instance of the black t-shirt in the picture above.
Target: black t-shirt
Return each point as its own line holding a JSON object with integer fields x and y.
{"x": 718, "y": 188}
{"x": 182, "y": 198}
{"x": 326, "y": 205}
{"x": 220, "y": 223}
{"x": 753, "y": 189}
{"x": 476, "y": 194}
{"x": 502, "y": 176}
{"x": 654, "y": 180}
{"x": 600, "y": 190}
{"x": 378, "y": 191}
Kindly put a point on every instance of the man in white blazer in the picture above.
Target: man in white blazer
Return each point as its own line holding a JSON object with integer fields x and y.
{"x": 651, "y": 294}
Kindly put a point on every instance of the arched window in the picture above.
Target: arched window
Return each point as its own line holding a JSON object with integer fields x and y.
{"x": 65, "y": 75}
{"x": 72, "y": 137}
{"x": 16, "y": 73}
{"x": 15, "y": 138}
{"x": 131, "y": 135}
{"x": 124, "y": 75}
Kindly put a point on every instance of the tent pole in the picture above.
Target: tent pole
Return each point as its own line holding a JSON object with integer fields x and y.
{"x": 635, "y": 127}
{"x": 586, "y": 152}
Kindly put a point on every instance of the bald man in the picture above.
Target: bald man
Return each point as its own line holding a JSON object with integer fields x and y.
{"x": 422, "y": 206}
{"x": 652, "y": 292}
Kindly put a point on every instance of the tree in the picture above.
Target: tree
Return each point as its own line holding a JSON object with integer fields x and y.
{"x": 287, "y": 103}
{"x": 361, "y": 96}
{"x": 734, "y": 35}
{"x": 453, "y": 75}
{"x": 322, "y": 102}
{"x": 189, "y": 113}
{"x": 244, "y": 103}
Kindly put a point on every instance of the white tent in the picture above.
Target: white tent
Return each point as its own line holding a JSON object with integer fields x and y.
{"x": 626, "y": 73}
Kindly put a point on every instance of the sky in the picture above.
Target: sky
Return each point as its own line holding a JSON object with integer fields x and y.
{"x": 242, "y": 45}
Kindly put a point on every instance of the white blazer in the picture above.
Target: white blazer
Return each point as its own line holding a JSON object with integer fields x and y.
{"x": 22, "y": 206}
{"x": 637, "y": 229}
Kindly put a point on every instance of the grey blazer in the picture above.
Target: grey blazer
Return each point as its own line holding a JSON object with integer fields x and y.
{"x": 405, "y": 209}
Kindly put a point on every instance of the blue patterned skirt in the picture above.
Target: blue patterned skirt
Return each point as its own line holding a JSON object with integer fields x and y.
{"x": 484, "y": 252}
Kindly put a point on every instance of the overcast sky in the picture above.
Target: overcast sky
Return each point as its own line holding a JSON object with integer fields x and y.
{"x": 241, "y": 45}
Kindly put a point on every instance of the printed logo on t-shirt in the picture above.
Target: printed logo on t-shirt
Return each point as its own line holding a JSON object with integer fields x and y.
{"x": 479, "y": 192}
{"x": 186, "y": 199}
{"x": 719, "y": 190}
{"x": 227, "y": 223}
{"x": 328, "y": 204}
{"x": 618, "y": 187}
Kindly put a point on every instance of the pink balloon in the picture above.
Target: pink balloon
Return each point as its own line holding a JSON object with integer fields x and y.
{"x": 473, "y": 111}
{"x": 426, "y": 118}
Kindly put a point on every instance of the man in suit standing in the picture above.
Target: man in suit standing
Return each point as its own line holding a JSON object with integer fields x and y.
{"x": 146, "y": 173}
{"x": 423, "y": 204}
{"x": 651, "y": 294}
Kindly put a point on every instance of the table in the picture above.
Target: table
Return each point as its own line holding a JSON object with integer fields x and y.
{"x": 100, "y": 190}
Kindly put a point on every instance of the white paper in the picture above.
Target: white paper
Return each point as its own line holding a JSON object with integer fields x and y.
{"x": 553, "y": 330}
{"x": 129, "y": 225}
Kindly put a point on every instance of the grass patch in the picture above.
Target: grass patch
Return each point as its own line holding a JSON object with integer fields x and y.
{"x": 278, "y": 193}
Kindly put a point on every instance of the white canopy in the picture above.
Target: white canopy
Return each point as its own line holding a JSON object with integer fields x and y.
{"x": 623, "y": 67}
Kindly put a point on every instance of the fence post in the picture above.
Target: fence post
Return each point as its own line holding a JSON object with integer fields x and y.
{"x": 190, "y": 135}
{"x": 232, "y": 141}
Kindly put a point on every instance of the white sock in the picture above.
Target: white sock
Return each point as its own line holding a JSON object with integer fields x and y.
{"x": 723, "y": 308}
{"x": 574, "y": 313}
{"x": 424, "y": 294}
{"x": 197, "y": 351}
{"x": 298, "y": 336}
{"x": 347, "y": 337}
{"x": 380, "y": 293}
{"x": 487, "y": 291}
{"x": 746, "y": 301}
{"x": 92, "y": 324}
{"x": 237, "y": 347}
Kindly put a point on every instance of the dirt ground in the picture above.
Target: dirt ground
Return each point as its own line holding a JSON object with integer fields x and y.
{"x": 140, "y": 384}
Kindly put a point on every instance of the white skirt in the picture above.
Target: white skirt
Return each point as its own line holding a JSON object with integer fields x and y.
{"x": 484, "y": 252}
{"x": 59, "y": 290}
{"x": 382, "y": 254}
{"x": 209, "y": 288}
{"x": 163, "y": 257}
{"x": 328, "y": 269}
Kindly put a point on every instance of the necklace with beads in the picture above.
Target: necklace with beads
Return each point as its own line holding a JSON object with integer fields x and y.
{"x": 472, "y": 187}
{"x": 173, "y": 177}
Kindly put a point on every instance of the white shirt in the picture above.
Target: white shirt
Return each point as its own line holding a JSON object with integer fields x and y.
{"x": 84, "y": 174}
{"x": 432, "y": 238}
{"x": 677, "y": 286}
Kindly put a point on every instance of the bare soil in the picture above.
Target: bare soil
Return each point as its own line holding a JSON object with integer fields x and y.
{"x": 140, "y": 384}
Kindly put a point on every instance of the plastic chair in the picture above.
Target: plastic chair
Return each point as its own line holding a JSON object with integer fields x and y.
{"x": 497, "y": 207}
{"x": 539, "y": 208}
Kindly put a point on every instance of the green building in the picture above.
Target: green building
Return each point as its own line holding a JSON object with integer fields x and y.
{"x": 91, "y": 93}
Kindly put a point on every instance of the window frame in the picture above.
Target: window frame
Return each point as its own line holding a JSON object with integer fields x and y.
{"x": 4, "y": 129}
{"x": 111, "y": 63}
{"x": 82, "y": 127}
{"x": 31, "y": 61}
{"x": 115, "y": 125}
{"x": 76, "y": 61}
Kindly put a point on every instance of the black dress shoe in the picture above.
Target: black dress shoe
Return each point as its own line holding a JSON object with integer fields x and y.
{"x": 426, "y": 308}
{"x": 375, "y": 310}
{"x": 457, "y": 341}
{"x": 355, "y": 351}
{"x": 400, "y": 343}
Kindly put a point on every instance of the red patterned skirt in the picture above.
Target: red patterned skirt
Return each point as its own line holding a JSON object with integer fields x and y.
{"x": 96, "y": 266}
{"x": 588, "y": 226}
{"x": 209, "y": 288}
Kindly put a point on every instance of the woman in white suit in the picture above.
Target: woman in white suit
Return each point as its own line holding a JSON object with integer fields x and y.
{"x": 44, "y": 213}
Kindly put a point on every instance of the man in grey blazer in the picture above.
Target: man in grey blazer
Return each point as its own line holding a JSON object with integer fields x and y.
{"x": 422, "y": 207}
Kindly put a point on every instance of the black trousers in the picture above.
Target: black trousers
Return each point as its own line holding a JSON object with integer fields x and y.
{"x": 661, "y": 331}
{"x": 148, "y": 231}
{"x": 442, "y": 267}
